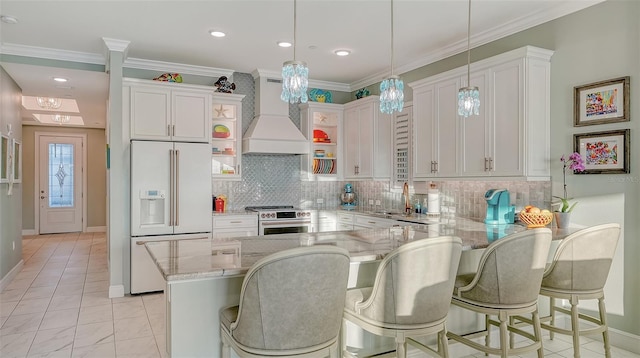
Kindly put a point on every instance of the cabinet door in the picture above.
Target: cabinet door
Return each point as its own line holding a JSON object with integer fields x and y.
{"x": 507, "y": 131}
{"x": 446, "y": 154}
{"x": 150, "y": 113}
{"x": 402, "y": 147}
{"x": 351, "y": 143}
{"x": 191, "y": 114}
{"x": 366, "y": 114}
{"x": 476, "y": 160}
{"x": 325, "y": 158}
{"x": 226, "y": 136}
{"x": 423, "y": 130}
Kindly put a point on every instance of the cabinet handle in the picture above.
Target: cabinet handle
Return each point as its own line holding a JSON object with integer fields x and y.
{"x": 238, "y": 169}
{"x": 371, "y": 222}
{"x": 177, "y": 195}
{"x": 169, "y": 130}
{"x": 490, "y": 163}
{"x": 486, "y": 161}
{"x": 173, "y": 130}
{"x": 435, "y": 166}
{"x": 356, "y": 169}
{"x": 235, "y": 222}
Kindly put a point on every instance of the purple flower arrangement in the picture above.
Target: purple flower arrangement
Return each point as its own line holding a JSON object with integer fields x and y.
{"x": 575, "y": 164}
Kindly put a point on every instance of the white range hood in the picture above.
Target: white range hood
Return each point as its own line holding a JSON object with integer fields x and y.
{"x": 272, "y": 131}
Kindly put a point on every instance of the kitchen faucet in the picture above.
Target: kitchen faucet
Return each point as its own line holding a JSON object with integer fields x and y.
{"x": 407, "y": 203}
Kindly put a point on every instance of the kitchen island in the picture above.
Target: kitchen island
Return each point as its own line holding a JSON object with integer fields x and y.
{"x": 202, "y": 276}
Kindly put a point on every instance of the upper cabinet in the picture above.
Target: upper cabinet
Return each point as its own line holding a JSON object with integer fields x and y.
{"x": 367, "y": 140}
{"x": 226, "y": 136}
{"x": 168, "y": 111}
{"x": 510, "y": 138}
{"x": 321, "y": 124}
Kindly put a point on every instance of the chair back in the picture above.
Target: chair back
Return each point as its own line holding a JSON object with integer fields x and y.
{"x": 413, "y": 283}
{"x": 510, "y": 270}
{"x": 583, "y": 259}
{"x": 293, "y": 299}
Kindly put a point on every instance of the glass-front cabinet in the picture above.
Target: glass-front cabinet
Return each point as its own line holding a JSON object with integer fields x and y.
{"x": 226, "y": 136}
{"x": 321, "y": 123}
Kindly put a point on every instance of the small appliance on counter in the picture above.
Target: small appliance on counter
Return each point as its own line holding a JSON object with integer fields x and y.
{"x": 348, "y": 198}
{"x": 499, "y": 210}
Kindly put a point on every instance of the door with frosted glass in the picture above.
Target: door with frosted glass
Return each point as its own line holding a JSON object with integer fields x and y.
{"x": 60, "y": 184}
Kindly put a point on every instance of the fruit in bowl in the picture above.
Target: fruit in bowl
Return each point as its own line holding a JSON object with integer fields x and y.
{"x": 535, "y": 217}
{"x": 221, "y": 131}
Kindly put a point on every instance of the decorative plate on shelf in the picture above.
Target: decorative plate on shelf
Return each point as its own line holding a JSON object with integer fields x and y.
{"x": 320, "y": 136}
{"x": 221, "y": 131}
{"x": 318, "y": 95}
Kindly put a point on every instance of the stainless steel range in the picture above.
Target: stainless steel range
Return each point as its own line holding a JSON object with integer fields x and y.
{"x": 282, "y": 220}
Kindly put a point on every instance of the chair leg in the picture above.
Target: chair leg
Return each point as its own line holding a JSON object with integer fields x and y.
{"x": 443, "y": 345}
{"x": 504, "y": 335}
{"x": 552, "y": 313}
{"x": 537, "y": 332}
{"x": 401, "y": 347}
{"x": 343, "y": 339}
{"x": 575, "y": 326}
{"x": 512, "y": 336}
{"x": 226, "y": 348}
{"x": 605, "y": 333}
{"x": 487, "y": 338}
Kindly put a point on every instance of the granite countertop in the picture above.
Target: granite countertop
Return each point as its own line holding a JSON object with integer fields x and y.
{"x": 234, "y": 212}
{"x": 206, "y": 258}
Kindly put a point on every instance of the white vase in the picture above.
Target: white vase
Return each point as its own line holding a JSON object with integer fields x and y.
{"x": 562, "y": 219}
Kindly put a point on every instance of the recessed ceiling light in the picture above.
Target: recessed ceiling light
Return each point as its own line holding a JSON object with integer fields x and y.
{"x": 7, "y": 19}
{"x": 284, "y": 44}
{"x": 342, "y": 52}
{"x": 60, "y": 79}
{"x": 216, "y": 33}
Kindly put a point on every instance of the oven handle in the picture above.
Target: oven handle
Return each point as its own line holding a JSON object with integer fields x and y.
{"x": 281, "y": 223}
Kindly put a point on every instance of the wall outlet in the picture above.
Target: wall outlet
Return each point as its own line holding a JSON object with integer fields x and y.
{"x": 370, "y": 201}
{"x": 378, "y": 202}
{"x": 319, "y": 200}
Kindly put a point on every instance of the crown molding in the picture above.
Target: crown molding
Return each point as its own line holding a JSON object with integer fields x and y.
{"x": 512, "y": 27}
{"x": 51, "y": 54}
{"x": 325, "y": 85}
{"x": 181, "y": 68}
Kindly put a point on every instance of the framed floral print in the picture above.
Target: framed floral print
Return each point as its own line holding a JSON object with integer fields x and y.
{"x": 601, "y": 102}
{"x": 604, "y": 152}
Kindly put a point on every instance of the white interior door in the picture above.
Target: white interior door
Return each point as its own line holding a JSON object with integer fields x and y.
{"x": 60, "y": 184}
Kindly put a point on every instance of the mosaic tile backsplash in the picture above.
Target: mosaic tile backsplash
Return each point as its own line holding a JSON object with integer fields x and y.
{"x": 275, "y": 180}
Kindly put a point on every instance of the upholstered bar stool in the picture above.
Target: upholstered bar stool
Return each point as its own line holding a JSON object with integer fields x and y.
{"x": 579, "y": 271}
{"x": 291, "y": 305}
{"x": 411, "y": 294}
{"x": 506, "y": 284}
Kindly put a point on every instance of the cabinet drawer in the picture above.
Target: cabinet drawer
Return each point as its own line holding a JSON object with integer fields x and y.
{"x": 345, "y": 218}
{"x": 372, "y": 222}
{"x": 235, "y": 221}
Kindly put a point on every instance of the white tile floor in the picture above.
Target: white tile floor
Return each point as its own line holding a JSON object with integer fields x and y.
{"x": 58, "y": 306}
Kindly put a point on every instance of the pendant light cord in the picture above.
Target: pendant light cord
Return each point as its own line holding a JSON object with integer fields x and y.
{"x": 392, "y": 57}
{"x": 469, "y": 47}
{"x": 294, "y": 29}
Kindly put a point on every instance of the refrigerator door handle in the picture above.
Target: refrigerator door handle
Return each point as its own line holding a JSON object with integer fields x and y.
{"x": 177, "y": 196}
{"x": 171, "y": 186}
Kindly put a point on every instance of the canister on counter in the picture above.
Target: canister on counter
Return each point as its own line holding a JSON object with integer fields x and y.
{"x": 219, "y": 205}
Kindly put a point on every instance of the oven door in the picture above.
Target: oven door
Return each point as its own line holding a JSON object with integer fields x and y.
{"x": 284, "y": 227}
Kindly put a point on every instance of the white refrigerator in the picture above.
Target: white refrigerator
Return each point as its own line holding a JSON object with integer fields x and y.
{"x": 170, "y": 200}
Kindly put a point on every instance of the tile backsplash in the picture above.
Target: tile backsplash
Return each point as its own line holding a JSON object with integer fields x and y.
{"x": 275, "y": 180}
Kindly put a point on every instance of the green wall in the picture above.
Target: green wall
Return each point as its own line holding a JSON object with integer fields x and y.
{"x": 10, "y": 205}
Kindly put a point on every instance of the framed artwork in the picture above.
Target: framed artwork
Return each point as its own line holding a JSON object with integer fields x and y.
{"x": 17, "y": 162}
{"x": 601, "y": 102}
{"x": 5, "y": 148}
{"x": 604, "y": 152}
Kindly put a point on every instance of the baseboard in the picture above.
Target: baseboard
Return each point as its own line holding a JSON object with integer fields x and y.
{"x": 96, "y": 229}
{"x": 29, "y": 232}
{"x": 116, "y": 291}
{"x": 623, "y": 340}
{"x": 6, "y": 280}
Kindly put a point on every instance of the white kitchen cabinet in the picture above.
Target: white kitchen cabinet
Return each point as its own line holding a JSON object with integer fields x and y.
{"x": 367, "y": 140}
{"x": 372, "y": 222}
{"x": 321, "y": 124}
{"x": 435, "y": 126}
{"x": 344, "y": 220}
{"x": 510, "y": 138}
{"x": 227, "y": 226}
{"x": 226, "y": 136}
{"x": 168, "y": 111}
{"x": 325, "y": 220}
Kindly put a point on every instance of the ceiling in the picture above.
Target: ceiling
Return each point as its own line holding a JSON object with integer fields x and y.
{"x": 162, "y": 33}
